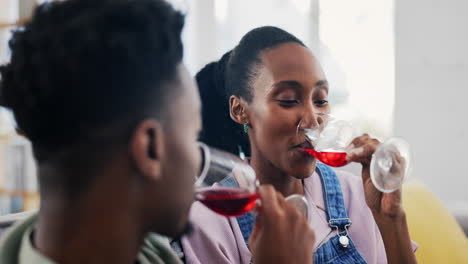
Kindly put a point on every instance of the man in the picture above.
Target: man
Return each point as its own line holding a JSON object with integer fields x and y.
{"x": 100, "y": 89}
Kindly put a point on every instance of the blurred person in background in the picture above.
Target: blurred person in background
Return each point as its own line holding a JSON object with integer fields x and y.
{"x": 260, "y": 97}
{"x": 100, "y": 89}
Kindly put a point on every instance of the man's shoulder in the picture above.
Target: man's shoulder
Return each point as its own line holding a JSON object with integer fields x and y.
{"x": 157, "y": 250}
{"x": 10, "y": 240}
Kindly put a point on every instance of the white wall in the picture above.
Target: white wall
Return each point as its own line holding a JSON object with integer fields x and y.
{"x": 26, "y": 7}
{"x": 200, "y": 42}
{"x": 431, "y": 109}
{"x": 8, "y": 14}
{"x": 358, "y": 59}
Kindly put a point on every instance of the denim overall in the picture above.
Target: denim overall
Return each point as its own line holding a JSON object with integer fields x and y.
{"x": 332, "y": 251}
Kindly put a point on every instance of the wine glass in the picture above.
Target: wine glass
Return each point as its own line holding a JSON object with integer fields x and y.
{"x": 390, "y": 163}
{"x": 227, "y": 184}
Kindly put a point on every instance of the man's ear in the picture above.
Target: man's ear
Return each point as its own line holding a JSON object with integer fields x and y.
{"x": 147, "y": 149}
{"x": 237, "y": 110}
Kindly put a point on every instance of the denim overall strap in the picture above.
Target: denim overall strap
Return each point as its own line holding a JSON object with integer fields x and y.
{"x": 336, "y": 211}
{"x": 333, "y": 250}
{"x": 245, "y": 221}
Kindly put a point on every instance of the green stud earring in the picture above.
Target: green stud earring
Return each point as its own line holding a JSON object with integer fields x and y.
{"x": 246, "y": 128}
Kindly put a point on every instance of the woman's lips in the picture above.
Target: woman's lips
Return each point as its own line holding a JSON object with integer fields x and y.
{"x": 305, "y": 144}
{"x": 301, "y": 148}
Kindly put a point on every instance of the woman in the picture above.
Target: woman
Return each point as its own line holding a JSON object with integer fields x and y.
{"x": 259, "y": 98}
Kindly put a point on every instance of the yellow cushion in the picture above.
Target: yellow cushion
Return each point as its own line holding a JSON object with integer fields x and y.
{"x": 440, "y": 237}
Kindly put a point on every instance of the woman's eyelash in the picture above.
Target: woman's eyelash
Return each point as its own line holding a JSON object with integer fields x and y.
{"x": 288, "y": 101}
{"x": 321, "y": 102}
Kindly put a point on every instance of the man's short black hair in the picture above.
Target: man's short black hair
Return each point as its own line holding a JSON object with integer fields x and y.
{"x": 81, "y": 66}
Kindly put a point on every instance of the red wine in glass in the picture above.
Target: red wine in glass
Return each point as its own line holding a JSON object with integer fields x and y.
{"x": 227, "y": 201}
{"x": 334, "y": 159}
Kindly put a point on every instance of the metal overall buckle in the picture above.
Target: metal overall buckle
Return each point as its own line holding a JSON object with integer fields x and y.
{"x": 343, "y": 239}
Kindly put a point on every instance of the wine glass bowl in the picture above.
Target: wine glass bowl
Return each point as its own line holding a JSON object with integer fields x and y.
{"x": 390, "y": 163}
{"x": 330, "y": 141}
{"x": 227, "y": 184}
{"x": 218, "y": 166}
{"x": 332, "y": 135}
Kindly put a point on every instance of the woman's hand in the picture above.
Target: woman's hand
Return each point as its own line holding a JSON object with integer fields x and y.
{"x": 382, "y": 205}
{"x": 386, "y": 207}
{"x": 282, "y": 233}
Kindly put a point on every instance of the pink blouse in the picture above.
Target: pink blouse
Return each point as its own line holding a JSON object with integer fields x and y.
{"x": 218, "y": 239}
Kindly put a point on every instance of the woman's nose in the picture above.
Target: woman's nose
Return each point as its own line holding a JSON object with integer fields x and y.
{"x": 310, "y": 120}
